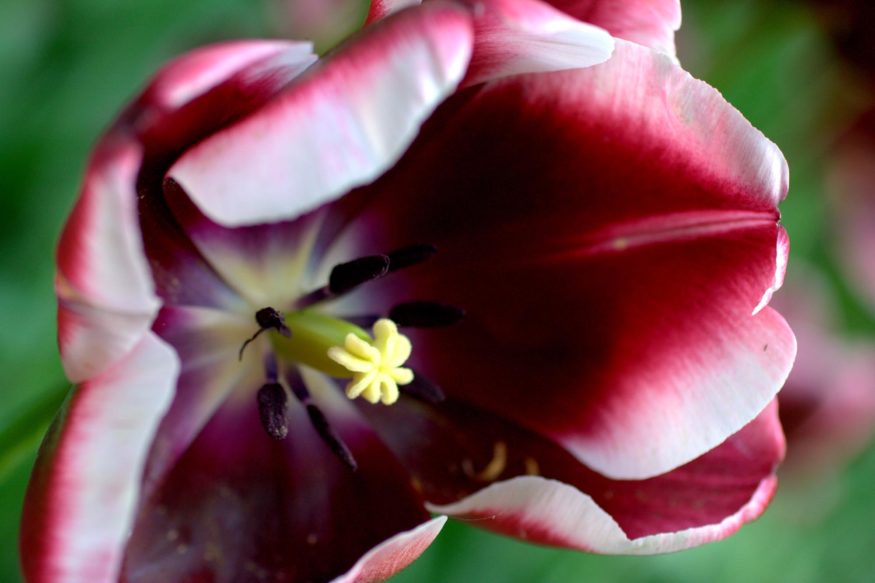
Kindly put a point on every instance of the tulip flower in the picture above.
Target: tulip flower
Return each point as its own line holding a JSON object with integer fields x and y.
{"x": 486, "y": 261}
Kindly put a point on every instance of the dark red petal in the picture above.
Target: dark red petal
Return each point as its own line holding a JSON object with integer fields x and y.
{"x": 702, "y": 501}
{"x": 609, "y": 233}
{"x": 454, "y": 452}
{"x": 239, "y": 504}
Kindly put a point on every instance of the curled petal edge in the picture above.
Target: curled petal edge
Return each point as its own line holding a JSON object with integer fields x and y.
{"x": 394, "y": 554}
{"x": 83, "y": 493}
{"x": 551, "y": 512}
{"x": 341, "y": 125}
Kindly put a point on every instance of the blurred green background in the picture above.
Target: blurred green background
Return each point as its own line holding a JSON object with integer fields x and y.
{"x": 66, "y": 67}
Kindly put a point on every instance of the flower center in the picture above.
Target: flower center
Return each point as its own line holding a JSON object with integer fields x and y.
{"x": 376, "y": 367}
{"x": 341, "y": 348}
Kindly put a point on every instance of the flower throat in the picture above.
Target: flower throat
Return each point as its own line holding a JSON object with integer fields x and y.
{"x": 341, "y": 348}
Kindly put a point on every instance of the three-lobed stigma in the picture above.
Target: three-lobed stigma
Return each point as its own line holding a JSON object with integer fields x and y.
{"x": 376, "y": 366}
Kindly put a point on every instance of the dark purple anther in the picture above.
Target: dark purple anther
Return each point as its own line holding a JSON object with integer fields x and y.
{"x": 320, "y": 423}
{"x": 423, "y": 389}
{"x": 346, "y": 276}
{"x": 410, "y": 255}
{"x": 330, "y": 437}
{"x": 425, "y": 314}
{"x": 272, "y": 402}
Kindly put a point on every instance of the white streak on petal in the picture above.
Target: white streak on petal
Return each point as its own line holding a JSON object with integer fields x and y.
{"x": 339, "y": 127}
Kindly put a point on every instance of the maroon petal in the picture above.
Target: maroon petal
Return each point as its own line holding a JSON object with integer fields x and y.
{"x": 454, "y": 452}
{"x": 83, "y": 493}
{"x": 610, "y": 233}
{"x": 702, "y": 501}
{"x": 240, "y": 504}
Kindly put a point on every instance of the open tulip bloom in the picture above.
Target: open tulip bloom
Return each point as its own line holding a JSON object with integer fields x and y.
{"x": 483, "y": 261}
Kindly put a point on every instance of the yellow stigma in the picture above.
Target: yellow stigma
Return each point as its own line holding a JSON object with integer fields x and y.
{"x": 375, "y": 366}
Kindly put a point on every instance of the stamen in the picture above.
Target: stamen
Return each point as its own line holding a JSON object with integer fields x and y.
{"x": 272, "y": 404}
{"x": 410, "y": 255}
{"x": 423, "y": 389}
{"x": 322, "y": 427}
{"x": 330, "y": 437}
{"x": 421, "y": 314}
{"x": 375, "y": 366}
{"x": 493, "y": 469}
{"x": 346, "y": 276}
{"x": 267, "y": 319}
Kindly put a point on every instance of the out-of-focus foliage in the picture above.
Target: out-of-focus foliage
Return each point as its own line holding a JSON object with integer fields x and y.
{"x": 66, "y": 67}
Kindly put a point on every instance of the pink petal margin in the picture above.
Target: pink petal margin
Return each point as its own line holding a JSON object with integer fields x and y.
{"x": 391, "y": 556}
{"x": 84, "y": 490}
{"x": 555, "y": 513}
{"x": 338, "y": 127}
{"x": 383, "y": 8}
{"x": 106, "y": 299}
{"x": 651, "y": 23}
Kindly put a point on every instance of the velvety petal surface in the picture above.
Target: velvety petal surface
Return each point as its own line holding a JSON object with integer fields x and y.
{"x": 83, "y": 493}
{"x": 266, "y": 265}
{"x": 471, "y": 464}
{"x": 207, "y": 343}
{"x": 703, "y": 501}
{"x": 340, "y": 126}
{"x": 239, "y": 504}
{"x": 615, "y": 262}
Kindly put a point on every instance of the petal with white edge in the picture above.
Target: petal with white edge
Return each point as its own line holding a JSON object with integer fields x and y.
{"x": 609, "y": 232}
{"x": 703, "y": 501}
{"x": 102, "y": 270}
{"x": 393, "y": 555}
{"x": 339, "y": 126}
{"x": 651, "y": 23}
{"x": 84, "y": 490}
